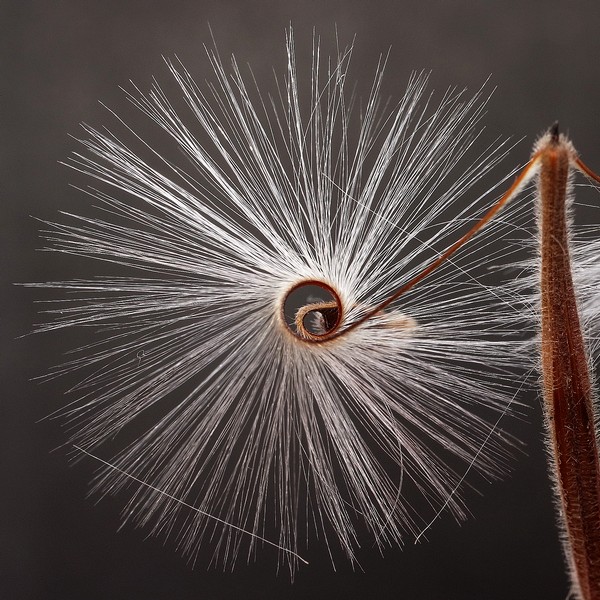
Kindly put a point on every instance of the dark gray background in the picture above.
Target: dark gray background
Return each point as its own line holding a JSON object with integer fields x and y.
{"x": 58, "y": 60}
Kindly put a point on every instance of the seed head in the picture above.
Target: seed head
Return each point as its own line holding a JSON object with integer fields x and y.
{"x": 221, "y": 391}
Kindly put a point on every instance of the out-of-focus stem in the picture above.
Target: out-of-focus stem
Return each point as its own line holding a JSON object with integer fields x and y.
{"x": 567, "y": 381}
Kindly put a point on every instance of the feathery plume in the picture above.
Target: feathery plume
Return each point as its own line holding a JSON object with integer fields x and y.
{"x": 229, "y": 370}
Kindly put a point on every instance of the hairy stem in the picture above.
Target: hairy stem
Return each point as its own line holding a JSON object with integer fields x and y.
{"x": 566, "y": 377}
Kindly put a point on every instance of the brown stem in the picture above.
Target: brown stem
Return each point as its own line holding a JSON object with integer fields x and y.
{"x": 336, "y": 331}
{"x": 566, "y": 377}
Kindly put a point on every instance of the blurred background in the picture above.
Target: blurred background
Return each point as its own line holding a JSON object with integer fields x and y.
{"x": 59, "y": 59}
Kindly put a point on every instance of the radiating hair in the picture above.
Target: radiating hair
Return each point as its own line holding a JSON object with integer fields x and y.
{"x": 209, "y": 395}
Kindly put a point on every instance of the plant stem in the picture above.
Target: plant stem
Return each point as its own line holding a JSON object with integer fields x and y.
{"x": 566, "y": 377}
